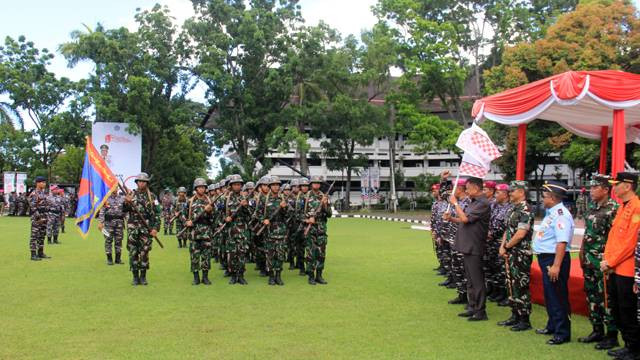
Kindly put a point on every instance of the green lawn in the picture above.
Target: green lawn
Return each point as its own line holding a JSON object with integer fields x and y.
{"x": 381, "y": 302}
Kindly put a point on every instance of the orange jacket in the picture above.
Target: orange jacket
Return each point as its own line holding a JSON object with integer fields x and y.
{"x": 623, "y": 238}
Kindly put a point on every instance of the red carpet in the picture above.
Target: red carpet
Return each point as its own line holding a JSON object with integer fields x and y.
{"x": 577, "y": 297}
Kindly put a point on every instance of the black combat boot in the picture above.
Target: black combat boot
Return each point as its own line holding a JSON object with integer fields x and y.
{"x": 279, "y": 278}
{"x": 143, "y": 277}
{"x": 513, "y": 320}
{"x": 55, "y": 239}
{"x": 119, "y": 258}
{"x": 292, "y": 265}
{"x": 312, "y": 280}
{"x": 263, "y": 273}
{"x": 42, "y": 255}
{"x": 461, "y": 299}
{"x": 227, "y": 273}
{"x": 523, "y": 324}
{"x": 319, "y": 278}
{"x": 165, "y": 231}
{"x": 302, "y": 270}
{"x": 48, "y": 239}
{"x": 196, "y": 278}
{"x": 35, "y": 256}
{"x": 596, "y": 335}
{"x": 609, "y": 342}
{"x": 504, "y": 302}
{"x": 241, "y": 279}
{"x": 233, "y": 280}
{"x": 272, "y": 279}
{"x": 446, "y": 282}
{"x": 205, "y": 277}
{"x": 136, "y": 278}
{"x": 109, "y": 259}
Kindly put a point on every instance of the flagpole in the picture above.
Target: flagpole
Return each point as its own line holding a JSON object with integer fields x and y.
{"x": 455, "y": 186}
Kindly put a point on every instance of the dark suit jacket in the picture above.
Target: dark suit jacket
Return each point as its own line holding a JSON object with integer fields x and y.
{"x": 471, "y": 238}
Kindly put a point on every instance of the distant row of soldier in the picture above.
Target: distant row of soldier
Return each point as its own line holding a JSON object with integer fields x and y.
{"x": 231, "y": 223}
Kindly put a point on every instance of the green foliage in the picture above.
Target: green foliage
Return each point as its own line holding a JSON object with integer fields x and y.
{"x": 139, "y": 79}
{"x": 67, "y": 168}
{"x": 424, "y": 182}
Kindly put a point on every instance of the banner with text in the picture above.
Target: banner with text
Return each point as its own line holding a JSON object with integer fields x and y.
{"x": 121, "y": 150}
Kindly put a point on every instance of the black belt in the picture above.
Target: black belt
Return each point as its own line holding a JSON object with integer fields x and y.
{"x": 109, "y": 218}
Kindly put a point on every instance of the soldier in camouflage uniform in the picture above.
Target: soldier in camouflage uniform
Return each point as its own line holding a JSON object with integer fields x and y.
{"x": 495, "y": 272}
{"x": 111, "y": 221}
{"x": 598, "y": 219}
{"x": 257, "y": 241}
{"x": 199, "y": 219}
{"x": 316, "y": 213}
{"x": 180, "y": 211}
{"x": 39, "y": 210}
{"x": 298, "y": 225}
{"x": 273, "y": 216}
{"x": 291, "y": 224}
{"x": 219, "y": 240}
{"x": 236, "y": 219}
{"x": 23, "y": 205}
{"x": 457, "y": 259}
{"x": 141, "y": 202}
{"x": 435, "y": 218}
{"x": 516, "y": 249}
{"x": 54, "y": 214}
{"x": 446, "y": 233}
{"x": 167, "y": 203}
{"x": 249, "y": 193}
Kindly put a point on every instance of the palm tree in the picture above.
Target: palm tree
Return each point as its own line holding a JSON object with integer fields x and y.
{"x": 9, "y": 115}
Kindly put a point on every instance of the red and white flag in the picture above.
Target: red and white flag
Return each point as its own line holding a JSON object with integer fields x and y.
{"x": 476, "y": 143}
{"x": 472, "y": 167}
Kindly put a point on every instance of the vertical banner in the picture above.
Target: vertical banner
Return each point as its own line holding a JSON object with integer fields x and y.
{"x": 121, "y": 150}
{"x": 21, "y": 183}
{"x": 374, "y": 175}
{"x": 364, "y": 184}
{"x": 9, "y": 182}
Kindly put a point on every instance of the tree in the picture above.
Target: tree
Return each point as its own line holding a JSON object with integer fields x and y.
{"x": 139, "y": 79}
{"x": 237, "y": 50}
{"x": 53, "y": 105}
{"x": 17, "y": 150}
{"x": 350, "y": 122}
{"x": 67, "y": 168}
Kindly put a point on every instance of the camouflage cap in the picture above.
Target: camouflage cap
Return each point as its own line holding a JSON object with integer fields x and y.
{"x": 249, "y": 185}
{"x": 274, "y": 180}
{"x": 304, "y": 182}
{"x": 182, "y": 189}
{"x": 600, "y": 180}
{"x": 199, "y": 182}
{"x": 286, "y": 187}
{"x": 518, "y": 184}
{"x": 317, "y": 179}
{"x": 294, "y": 182}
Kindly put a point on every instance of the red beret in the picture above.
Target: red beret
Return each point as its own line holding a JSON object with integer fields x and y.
{"x": 490, "y": 184}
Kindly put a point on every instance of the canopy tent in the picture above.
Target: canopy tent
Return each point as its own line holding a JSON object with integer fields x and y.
{"x": 591, "y": 104}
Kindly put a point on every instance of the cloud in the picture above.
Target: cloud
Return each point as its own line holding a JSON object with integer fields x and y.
{"x": 347, "y": 16}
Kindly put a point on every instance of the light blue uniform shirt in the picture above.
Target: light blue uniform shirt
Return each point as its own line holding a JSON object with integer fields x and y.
{"x": 557, "y": 226}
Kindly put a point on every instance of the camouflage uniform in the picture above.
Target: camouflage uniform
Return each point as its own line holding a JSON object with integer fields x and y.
{"x": 112, "y": 217}
{"x": 598, "y": 220}
{"x": 257, "y": 241}
{"x": 275, "y": 242}
{"x": 236, "y": 236}
{"x": 54, "y": 213}
{"x": 180, "y": 212}
{"x": 457, "y": 259}
{"x": 494, "y": 264}
{"x": 316, "y": 238}
{"x": 200, "y": 247}
{"x": 437, "y": 209}
{"x": 23, "y": 206}
{"x": 139, "y": 240}
{"x": 39, "y": 210}
{"x": 167, "y": 204}
{"x": 445, "y": 232}
{"x": 520, "y": 256}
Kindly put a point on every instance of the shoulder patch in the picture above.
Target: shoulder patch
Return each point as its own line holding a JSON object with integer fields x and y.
{"x": 560, "y": 212}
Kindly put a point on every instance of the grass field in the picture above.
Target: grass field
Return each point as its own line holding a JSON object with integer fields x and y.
{"x": 381, "y": 302}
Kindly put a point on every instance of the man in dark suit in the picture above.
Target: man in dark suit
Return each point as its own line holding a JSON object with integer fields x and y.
{"x": 471, "y": 242}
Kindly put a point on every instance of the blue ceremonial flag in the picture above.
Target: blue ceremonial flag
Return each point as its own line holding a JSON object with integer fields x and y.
{"x": 96, "y": 185}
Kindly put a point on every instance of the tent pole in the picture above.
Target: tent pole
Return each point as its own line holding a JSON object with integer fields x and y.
{"x": 522, "y": 151}
{"x": 618, "y": 144}
{"x": 604, "y": 143}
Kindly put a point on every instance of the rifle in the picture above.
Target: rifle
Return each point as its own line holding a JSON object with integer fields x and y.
{"x": 273, "y": 216}
{"x": 232, "y": 215}
{"x": 139, "y": 215}
{"x": 317, "y": 211}
{"x": 199, "y": 216}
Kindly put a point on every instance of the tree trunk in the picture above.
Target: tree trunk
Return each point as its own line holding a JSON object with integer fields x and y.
{"x": 392, "y": 161}
{"x": 302, "y": 154}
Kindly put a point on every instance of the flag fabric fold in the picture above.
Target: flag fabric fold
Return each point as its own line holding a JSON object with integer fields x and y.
{"x": 479, "y": 152}
{"x": 96, "y": 185}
